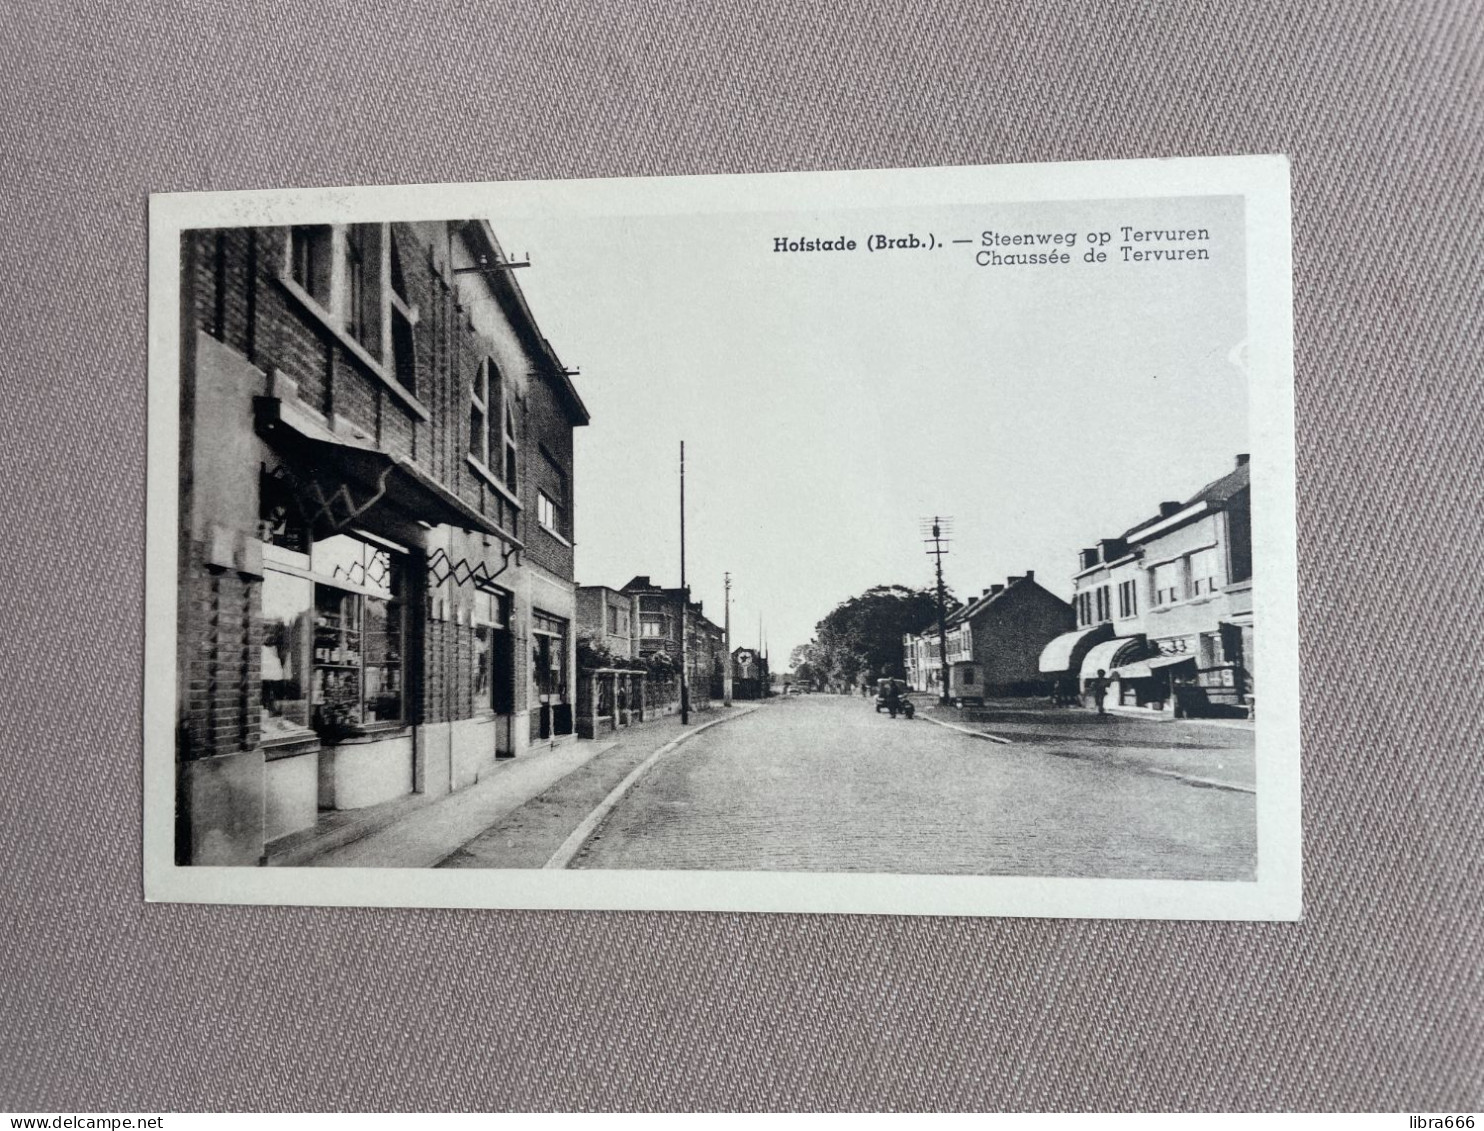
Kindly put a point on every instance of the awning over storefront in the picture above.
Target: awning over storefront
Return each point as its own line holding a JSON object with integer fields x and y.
{"x": 1167, "y": 661}
{"x": 1105, "y": 657}
{"x": 346, "y": 479}
{"x": 1145, "y": 668}
{"x": 1065, "y": 652}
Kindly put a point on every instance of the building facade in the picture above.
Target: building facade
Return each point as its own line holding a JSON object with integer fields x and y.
{"x": 661, "y": 612}
{"x": 375, "y": 562}
{"x": 1003, "y": 633}
{"x": 1164, "y": 611}
{"x": 751, "y": 676}
{"x": 994, "y": 643}
{"x": 609, "y": 618}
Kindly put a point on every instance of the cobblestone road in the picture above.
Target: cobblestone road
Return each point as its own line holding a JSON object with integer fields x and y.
{"x": 823, "y": 783}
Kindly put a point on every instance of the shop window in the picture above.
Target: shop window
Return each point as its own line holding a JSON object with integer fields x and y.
{"x": 286, "y": 602}
{"x": 492, "y": 676}
{"x": 333, "y": 637}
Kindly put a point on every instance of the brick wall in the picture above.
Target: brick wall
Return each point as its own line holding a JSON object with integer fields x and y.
{"x": 220, "y": 657}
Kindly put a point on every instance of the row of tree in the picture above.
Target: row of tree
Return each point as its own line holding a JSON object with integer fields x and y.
{"x": 861, "y": 639}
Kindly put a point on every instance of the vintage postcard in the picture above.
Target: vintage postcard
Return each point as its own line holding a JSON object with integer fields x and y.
{"x": 904, "y": 541}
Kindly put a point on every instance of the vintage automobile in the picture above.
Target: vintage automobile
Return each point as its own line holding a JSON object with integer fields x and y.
{"x": 892, "y": 696}
{"x": 966, "y": 684}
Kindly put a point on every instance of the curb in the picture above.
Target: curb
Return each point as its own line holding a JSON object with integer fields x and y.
{"x": 570, "y": 847}
{"x": 969, "y": 731}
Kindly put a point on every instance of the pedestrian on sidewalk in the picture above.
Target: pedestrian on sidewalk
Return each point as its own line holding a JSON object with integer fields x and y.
{"x": 1099, "y": 688}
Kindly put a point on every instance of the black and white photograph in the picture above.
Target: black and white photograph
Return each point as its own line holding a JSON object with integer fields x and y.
{"x": 899, "y": 541}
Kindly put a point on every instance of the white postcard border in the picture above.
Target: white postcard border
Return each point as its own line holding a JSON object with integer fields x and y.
{"x": 1277, "y": 891}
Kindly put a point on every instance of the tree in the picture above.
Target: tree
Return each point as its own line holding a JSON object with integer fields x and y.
{"x": 861, "y": 639}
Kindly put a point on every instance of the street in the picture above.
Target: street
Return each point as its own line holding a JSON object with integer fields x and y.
{"x": 824, "y": 783}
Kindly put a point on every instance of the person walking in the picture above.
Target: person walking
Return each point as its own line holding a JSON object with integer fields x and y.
{"x": 1099, "y": 688}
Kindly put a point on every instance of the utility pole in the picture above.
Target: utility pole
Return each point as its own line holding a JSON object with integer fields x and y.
{"x": 684, "y": 604}
{"x": 942, "y": 528}
{"x": 726, "y": 629}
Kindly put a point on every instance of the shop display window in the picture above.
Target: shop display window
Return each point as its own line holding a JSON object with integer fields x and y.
{"x": 333, "y": 628}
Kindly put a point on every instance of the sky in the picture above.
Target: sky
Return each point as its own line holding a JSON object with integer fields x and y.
{"x": 831, "y": 401}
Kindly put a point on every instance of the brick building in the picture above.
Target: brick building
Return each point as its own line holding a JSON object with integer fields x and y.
{"x": 1164, "y": 610}
{"x": 995, "y": 642}
{"x": 375, "y": 554}
{"x": 660, "y": 615}
{"x": 608, "y": 617}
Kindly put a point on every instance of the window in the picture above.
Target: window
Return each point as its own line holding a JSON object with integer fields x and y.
{"x": 362, "y": 313}
{"x": 489, "y": 405}
{"x": 1128, "y": 599}
{"x": 491, "y": 616}
{"x": 341, "y": 272}
{"x": 548, "y": 512}
{"x": 285, "y": 621}
{"x": 512, "y": 461}
{"x": 1169, "y": 582}
{"x": 309, "y": 260}
{"x": 552, "y": 497}
{"x": 357, "y": 658}
{"x": 1084, "y": 608}
{"x": 1205, "y": 572}
{"x": 1104, "y": 604}
{"x": 333, "y": 627}
{"x": 404, "y": 343}
{"x": 652, "y": 627}
{"x": 549, "y": 657}
{"x": 479, "y": 399}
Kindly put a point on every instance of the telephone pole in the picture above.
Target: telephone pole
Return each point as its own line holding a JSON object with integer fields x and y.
{"x": 726, "y": 630}
{"x": 942, "y": 529}
{"x": 684, "y": 604}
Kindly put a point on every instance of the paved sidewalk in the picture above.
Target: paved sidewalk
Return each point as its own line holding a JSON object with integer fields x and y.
{"x": 1193, "y": 750}
{"x": 433, "y": 831}
{"x": 529, "y": 835}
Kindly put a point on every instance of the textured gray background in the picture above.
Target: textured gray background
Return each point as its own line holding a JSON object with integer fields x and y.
{"x": 1374, "y": 1001}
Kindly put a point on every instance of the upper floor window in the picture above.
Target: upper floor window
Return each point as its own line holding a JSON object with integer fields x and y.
{"x": 551, "y": 498}
{"x": 512, "y": 460}
{"x": 1169, "y": 582}
{"x": 403, "y": 316}
{"x": 342, "y": 271}
{"x": 1128, "y": 599}
{"x": 1104, "y": 609}
{"x": 492, "y": 425}
{"x": 1205, "y": 571}
{"x": 310, "y": 249}
{"x": 549, "y": 512}
{"x": 651, "y": 627}
{"x": 362, "y": 314}
{"x": 1084, "y": 608}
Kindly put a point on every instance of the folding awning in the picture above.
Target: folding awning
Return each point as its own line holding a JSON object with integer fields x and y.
{"x": 345, "y": 479}
{"x": 1065, "y": 652}
{"x": 1106, "y": 656}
